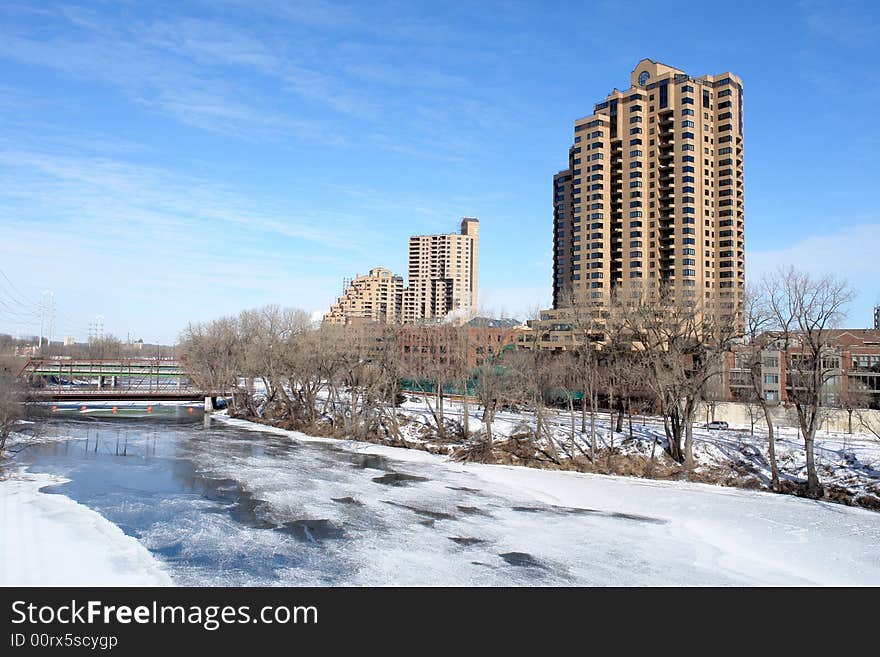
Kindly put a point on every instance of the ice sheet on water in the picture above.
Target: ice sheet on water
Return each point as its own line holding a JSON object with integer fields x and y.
{"x": 228, "y": 506}
{"x": 444, "y": 528}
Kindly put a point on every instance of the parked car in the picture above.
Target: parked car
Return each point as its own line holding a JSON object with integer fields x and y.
{"x": 717, "y": 424}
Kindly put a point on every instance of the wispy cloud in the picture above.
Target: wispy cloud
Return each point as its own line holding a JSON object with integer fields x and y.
{"x": 341, "y": 78}
{"x": 848, "y": 24}
{"x": 145, "y": 196}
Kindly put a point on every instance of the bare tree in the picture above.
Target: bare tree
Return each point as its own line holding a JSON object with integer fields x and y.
{"x": 108, "y": 346}
{"x": 571, "y": 377}
{"x": 587, "y": 335}
{"x": 534, "y": 372}
{"x": 868, "y": 422}
{"x": 212, "y": 354}
{"x": 682, "y": 340}
{"x": 12, "y": 398}
{"x": 759, "y": 318}
{"x": 855, "y": 398}
{"x": 805, "y": 311}
{"x": 753, "y": 410}
{"x": 492, "y": 389}
{"x": 435, "y": 364}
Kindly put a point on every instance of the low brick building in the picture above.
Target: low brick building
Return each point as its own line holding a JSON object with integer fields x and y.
{"x": 852, "y": 365}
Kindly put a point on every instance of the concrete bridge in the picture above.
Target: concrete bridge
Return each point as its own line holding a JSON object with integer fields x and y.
{"x": 125, "y": 379}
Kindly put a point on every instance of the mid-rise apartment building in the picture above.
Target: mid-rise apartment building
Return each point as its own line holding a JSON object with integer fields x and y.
{"x": 442, "y": 280}
{"x": 442, "y": 274}
{"x": 653, "y": 195}
{"x": 376, "y": 297}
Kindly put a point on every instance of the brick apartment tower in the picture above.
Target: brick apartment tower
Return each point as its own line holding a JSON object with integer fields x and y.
{"x": 375, "y": 297}
{"x": 442, "y": 274}
{"x": 654, "y": 192}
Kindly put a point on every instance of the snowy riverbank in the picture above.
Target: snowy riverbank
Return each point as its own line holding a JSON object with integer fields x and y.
{"x": 750, "y": 536}
{"x": 50, "y": 540}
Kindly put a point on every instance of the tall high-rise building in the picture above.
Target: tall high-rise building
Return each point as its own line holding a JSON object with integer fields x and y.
{"x": 375, "y": 297}
{"x": 442, "y": 274}
{"x": 653, "y": 194}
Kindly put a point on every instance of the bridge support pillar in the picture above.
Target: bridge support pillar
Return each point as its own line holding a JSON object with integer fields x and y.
{"x": 209, "y": 404}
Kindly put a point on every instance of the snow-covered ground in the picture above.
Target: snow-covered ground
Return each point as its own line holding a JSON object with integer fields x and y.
{"x": 50, "y": 540}
{"x": 851, "y": 461}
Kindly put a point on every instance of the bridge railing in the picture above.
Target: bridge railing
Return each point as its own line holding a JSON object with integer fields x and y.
{"x": 115, "y": 373}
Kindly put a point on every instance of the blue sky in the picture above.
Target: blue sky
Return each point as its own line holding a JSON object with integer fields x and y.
{"x": 162, "y": 162}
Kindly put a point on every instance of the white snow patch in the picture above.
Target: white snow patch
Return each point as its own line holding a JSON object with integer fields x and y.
{"x": 50, "y": 540}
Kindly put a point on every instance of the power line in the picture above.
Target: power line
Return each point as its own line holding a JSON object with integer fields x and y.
{"x": 18, "y": 299}
{"x": 15, "y": 310}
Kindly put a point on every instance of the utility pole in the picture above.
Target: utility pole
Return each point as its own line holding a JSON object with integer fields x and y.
{"x": 47, "y": 312}
{"x": 51, "y": 317}
{"x": 96, "y": 329}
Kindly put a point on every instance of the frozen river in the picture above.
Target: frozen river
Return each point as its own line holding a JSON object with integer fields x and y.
{"x": 219, "y": 504}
